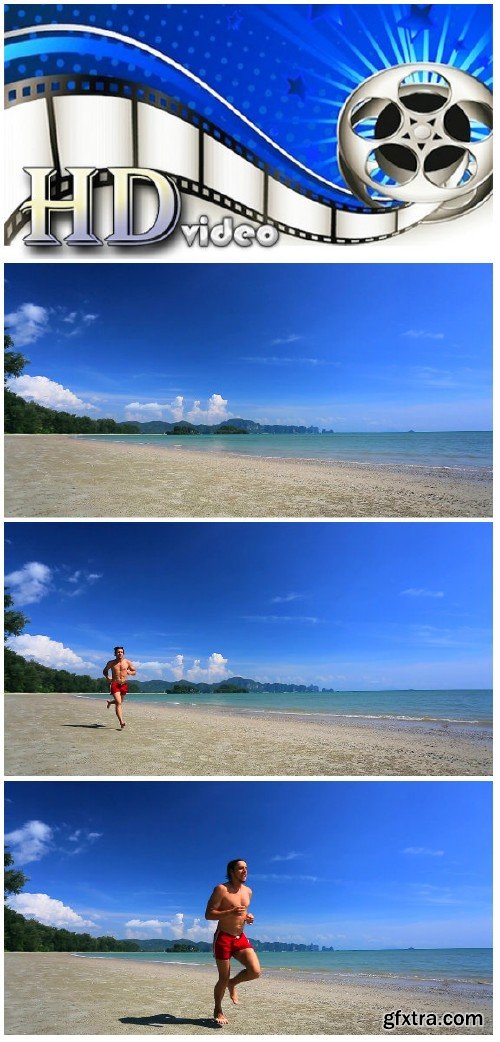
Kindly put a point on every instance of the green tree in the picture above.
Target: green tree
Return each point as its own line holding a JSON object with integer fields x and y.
{"x": 14, "y": 363}
{"x": 14, "y": 621}
{"x": 14, "y": 879}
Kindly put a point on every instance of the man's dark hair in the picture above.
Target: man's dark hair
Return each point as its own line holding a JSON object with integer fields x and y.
{"x": 119, "y": 647}
{"x": 231, "y": 865}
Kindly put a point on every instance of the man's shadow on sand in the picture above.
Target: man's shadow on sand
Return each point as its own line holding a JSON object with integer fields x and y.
{"x": 162, "y": 1019}
{"x": 93, "y": 727}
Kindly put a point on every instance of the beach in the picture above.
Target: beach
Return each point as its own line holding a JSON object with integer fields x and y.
{"x": 79, "y": 996}
{"x": 60, "y": 476}
{"x": 64, "y": 734}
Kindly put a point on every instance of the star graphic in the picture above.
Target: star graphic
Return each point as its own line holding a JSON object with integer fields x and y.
{"x": 234, "y": 19}
{"x": 418, "y": 20}
{"x": 316, "y": 11}
{"x": 296, "y": 86}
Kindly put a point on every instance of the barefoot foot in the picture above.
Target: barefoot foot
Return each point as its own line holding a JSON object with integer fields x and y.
{"x": 108, "y": 704}
{"x": 233, "y": 994}
{"x": 122, "y": 726}
{"x": 219, "y": 1018}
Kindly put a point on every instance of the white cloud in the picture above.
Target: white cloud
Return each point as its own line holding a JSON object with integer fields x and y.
{"x": 281, "y": 618}
{"x": 81, "y": 580}
{"x": 29, "y": 583}
{"x": 286, "y": 598}
{"x": 418, "y": 851}
{"x": 275, "y": 877}
{"x": 292, "y": 856}
{"x": 178, "y": 668}
{"x": 27, "y": 324}
{"x": 215, "y": 411}
{"x": 142, "y": 928}
{"x": 49, "y": 911}
{"x": 49, "y": 393}
{"x": 176, "y": 408}
{"x": 286, "y": 339}
{"x": 197, "y": 932}
{"x": 144, "y": 411}
{"x": 421, "y": 592}
{"x": 48, "y": 652}
{"x": 83, "y": 839}
{"x": 282, "y": 360}
{"x": 216, "y": 669}
{"x": 173, "y": 928}
{"x": 31, "y": 842}
{"x": 423, "y": 334}
{"x": 166, "y": 668}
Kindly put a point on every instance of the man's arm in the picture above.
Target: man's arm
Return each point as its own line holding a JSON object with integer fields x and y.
{"x": 249, "y": 917}
{"x": 131, "y": 670}
{"x": 106, "y": 671}
{"x": 213, "y": 910}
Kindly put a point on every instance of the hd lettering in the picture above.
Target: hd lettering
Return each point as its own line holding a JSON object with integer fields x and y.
{"x": 42, "y": 204}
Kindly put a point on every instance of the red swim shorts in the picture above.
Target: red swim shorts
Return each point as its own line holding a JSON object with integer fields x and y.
{"x": 226, "y": 945}
{"x": 117, "y": 688}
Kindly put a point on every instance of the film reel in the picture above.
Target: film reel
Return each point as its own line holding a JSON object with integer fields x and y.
{"x": 419, "y": 133}
{"x": 69, "y": 121}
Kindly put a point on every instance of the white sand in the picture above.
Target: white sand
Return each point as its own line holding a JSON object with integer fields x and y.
{"x": 60, "y": 734}
{"x": 58, "y": 994}
{"x": 60, "y": 476}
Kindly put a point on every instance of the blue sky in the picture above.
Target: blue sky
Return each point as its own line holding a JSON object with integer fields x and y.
{"x": 350, "y": 606}
{"x": 349, "y": 347}
{"x": 396, "y": 864}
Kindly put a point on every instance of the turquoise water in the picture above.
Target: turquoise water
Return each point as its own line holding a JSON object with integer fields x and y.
{"x": 457, "y": 964}
{"x": 457, "y": 449}
{"x": 460, "y": 706}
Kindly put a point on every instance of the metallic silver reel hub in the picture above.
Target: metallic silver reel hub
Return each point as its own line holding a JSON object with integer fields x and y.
{"x": 419, "y": 133}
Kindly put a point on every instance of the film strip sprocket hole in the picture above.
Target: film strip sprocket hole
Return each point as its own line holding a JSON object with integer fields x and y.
{"x": 62, "y": 121}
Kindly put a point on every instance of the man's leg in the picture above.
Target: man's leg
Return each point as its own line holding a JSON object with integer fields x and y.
{"x": 252, "y": 970}
{"x": 117, "y": 698}
{"x": 223, "y": 967}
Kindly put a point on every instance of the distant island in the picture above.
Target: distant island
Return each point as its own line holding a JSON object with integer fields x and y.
{"x": 236, "y": 425}
{"x": 184, "y": 945}
{"x": 238, "y": 685}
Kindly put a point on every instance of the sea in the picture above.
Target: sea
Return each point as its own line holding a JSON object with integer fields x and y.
{"x": 459, "y": 450}
{"x": 457, "y": 706}
{"x": 472, "y": 965}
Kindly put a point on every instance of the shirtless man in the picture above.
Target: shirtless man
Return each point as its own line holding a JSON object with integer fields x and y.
{"x": 229, "y": 906}
{"x": 120, "y": 669}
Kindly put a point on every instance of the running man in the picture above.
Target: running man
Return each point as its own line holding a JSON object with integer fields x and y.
{"x": 120, "y": 669}
{"x": 229, "y": 905}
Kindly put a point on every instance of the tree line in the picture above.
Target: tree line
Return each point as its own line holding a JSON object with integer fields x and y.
{"x": 23, "y": 417}
{"x": 28, "y": 935}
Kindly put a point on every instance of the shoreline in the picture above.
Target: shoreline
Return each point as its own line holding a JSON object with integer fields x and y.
{"x": 53, "y": 475}
{"x": 480, "y": 472}
{"x": 71, "y": 734}
{"x": 470, "y": 728}
{"x": 104, "y": 996}
{"x": 350, "y": 976}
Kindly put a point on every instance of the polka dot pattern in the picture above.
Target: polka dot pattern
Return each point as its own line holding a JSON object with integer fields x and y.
{"x": 251, "y": 54}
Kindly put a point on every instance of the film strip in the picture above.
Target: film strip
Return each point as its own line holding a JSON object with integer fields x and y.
{"x": 62, "y": 121}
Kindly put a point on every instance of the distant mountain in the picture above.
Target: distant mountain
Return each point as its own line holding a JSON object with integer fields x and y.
{"x": 242, "y": 684}
{"x": 184, "y": 944}
{"x": 234, "y": 425}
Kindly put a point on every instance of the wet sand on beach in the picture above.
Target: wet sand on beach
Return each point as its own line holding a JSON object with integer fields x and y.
{"x": 58, "y": 994}
{"x": 60, "y": 476}
{"x": 64, "y": 734}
